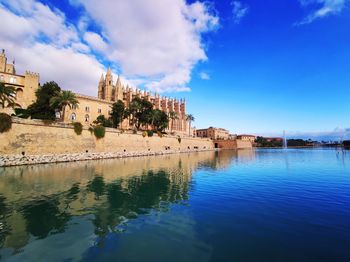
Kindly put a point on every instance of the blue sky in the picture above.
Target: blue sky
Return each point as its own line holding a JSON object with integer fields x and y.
{"x": 249, "y": 66}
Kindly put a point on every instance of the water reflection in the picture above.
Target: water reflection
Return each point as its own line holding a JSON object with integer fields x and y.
{"x": 41, "y": 201}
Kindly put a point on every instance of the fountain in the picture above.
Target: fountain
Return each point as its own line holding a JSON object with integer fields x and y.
{"x": 285, "y": 145}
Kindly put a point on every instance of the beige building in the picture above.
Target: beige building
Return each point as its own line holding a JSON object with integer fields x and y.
{"x": 89, "y": 107}
{"x": 25, "y": 85}
{"x": 213, "y": 133}
{"x": 250, "y": 138}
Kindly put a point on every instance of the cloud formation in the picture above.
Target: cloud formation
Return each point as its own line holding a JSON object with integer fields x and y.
{"x": 204, "y": 76}
{"x": 159, "y": 40}
{"x": 155, "y": 43}
{"x": 239, "y": 11}
{"x": 322, "y": 8}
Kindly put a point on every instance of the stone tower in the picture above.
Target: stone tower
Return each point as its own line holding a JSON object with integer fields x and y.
{"x": 101, "y": 88}
{"x": 109, "y": 85}
{"x": 119, "y": 90}
{"x": 3, "y": 61}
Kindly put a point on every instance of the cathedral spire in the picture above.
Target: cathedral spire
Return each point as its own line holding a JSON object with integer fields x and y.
{"x": 109, "y": 71}
{"x": 102, "y": 78}
{"x": 118, "y": 82}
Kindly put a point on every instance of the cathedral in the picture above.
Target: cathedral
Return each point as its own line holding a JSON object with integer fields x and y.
{"x": 112, "y": 92}
{"x": 89, "y": 108}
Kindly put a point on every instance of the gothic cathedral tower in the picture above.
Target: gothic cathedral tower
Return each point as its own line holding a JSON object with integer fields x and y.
{"x": 109, "y": 85}
{"x": 101, "y": 88}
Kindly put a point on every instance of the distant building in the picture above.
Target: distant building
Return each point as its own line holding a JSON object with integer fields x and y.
{"x": 250, "y": 138}
{"x": 213, "y": 133}
{"x": 232, "y": 137}
{"x": 274, "y": 139}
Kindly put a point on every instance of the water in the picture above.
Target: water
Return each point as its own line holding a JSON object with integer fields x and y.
{"x": 264, "y": 205}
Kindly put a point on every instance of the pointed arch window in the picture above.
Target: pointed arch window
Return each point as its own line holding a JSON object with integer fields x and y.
{"x": 73, "y": 117}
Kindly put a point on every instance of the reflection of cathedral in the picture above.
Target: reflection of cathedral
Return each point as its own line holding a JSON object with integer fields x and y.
{"x": 64, "y": 192}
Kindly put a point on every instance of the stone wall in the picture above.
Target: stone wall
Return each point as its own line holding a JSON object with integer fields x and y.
{"x": 232, "y": 144}
{"x": 33, "y": 141}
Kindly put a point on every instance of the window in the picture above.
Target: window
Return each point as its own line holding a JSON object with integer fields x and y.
{"x": 87, "y": 109}
{"x": 99, "y": 110}
{"x": 19, "y": 93}
{"x": 73, "y": 117}
{"x": 87, "y": 118}
{"x": 11, "y": 80}
{"x": 2, "y": 79}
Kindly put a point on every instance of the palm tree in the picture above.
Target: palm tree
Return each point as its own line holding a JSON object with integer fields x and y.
{"x": 7, "y": 96}
{"x": 64, "y": 99}
{"x": 173, "y": 116}
{"x": 190, "y": 118}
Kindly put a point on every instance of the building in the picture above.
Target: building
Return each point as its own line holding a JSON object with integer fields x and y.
{"x": 273, "y": 139}
{"x": 213, "y": 133}
{"x": 109, "y": 92}
{"x": 89, "y": 107}
{"x": 25, "y": 85}
{"x": 250, "y": 138}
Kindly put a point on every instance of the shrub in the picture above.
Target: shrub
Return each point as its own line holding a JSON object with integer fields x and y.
{"x": 22, "y": 113}
{"x": 144, "y": 134}
{"x": 91, "y": 130}
{"x": 99, "y": 131}
{"x": 5, "y": 122}
{"x": 150, "y": 133}
{"x": 159, "y": 134}
{"x": 78, "y": 128}
{"x": 134, "y": 131}
{"x": 179, "y": 139}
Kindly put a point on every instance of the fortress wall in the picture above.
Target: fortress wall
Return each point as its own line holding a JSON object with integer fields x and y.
{"x": 243, "y": 144}
{"x": 233, "y": 144}
{"x": 33, "y": 137}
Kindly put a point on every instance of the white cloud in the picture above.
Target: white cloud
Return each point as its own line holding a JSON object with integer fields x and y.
{"x": 324, "y": 8}
{"x": 155, "y": 43}
{"x": 204, "y": 76}
{"x": 53, "y": 50}
{"x": 95, "y": 41}
{"x": 239, "y": 11}
{"x": 156, "y": 39}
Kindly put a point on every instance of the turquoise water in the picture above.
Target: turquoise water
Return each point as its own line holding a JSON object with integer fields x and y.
{"x": 263, "y": 205}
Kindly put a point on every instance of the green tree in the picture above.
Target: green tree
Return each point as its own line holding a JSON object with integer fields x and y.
{"x": 133, "y": 109}
{"x": 190, "y": 118}
{"x": 172, "y": 116}
{"x": 63, "y": 99}
{"x": 139, "y": 112}
{"x": 159, "y": 120}
{"x": 42, "y": 108}
{"x": 145, "y": 116}
{"x": 118, "y": 113}
{"x": 7, "y": 96}
{"x": 102, "y": 120}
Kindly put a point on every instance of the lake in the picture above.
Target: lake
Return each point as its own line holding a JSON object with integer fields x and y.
{"x": 245, "y": 205}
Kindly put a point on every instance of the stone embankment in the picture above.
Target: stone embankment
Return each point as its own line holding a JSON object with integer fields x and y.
{"x": 17, "y": 160}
